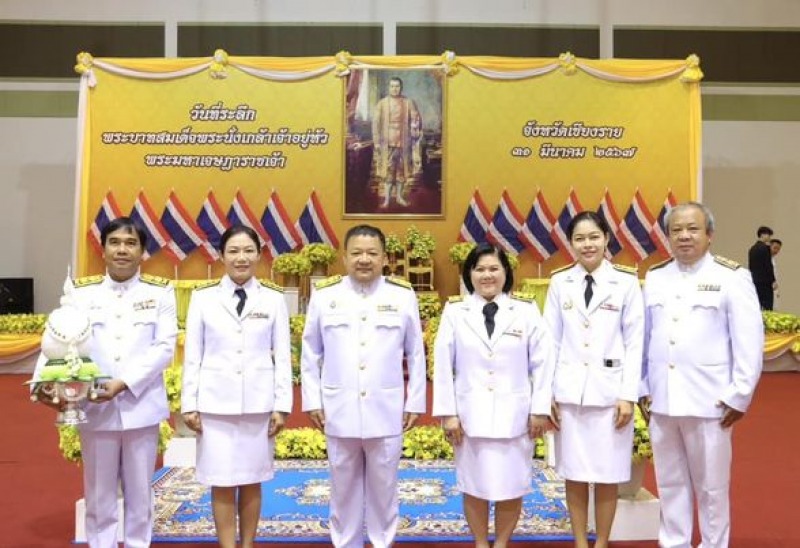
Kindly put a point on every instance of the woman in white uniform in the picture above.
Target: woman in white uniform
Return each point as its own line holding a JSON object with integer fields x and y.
{"x": 237, "y": 384}
{"x": 595, "y": 313}
{"x": 493, "y": 371}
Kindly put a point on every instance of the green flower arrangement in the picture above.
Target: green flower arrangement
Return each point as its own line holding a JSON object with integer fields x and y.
{"x": 429, "y": 305}
{"x": 69, "y": 441}
{"x": 780, "y": 322}
{"x": 296, "y": 325}
{"x": 22, "y": 324}
{"x": 513, "y": 261}
{"x": 300, "y": 443}
{"x": 426, "y": 443}
{"x": 458, "y": 252}
{"x": 421, "y": 245}
{"x": 642, "y": 450}
{"x": 292, "y": 264}
{"x": 393, "y": 244}
{"x": 319, "y": 254}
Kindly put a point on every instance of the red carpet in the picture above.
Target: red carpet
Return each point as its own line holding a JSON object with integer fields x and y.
{"x": 40, "y": 488}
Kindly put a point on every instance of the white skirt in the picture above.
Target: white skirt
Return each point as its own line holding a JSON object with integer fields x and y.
{"x": 494, "y": 469}
{"x": 234, "y": 450}
{"x": 588, "y": 447}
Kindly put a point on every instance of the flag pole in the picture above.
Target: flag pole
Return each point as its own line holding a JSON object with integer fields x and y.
{"x": 208, "y": 271}
{"x": 539, "y": 270}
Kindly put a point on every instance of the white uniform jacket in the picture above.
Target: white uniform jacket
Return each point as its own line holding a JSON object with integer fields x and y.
{"x": 704, "y": 337}
{"x": 492, "y": 384}
{"x": 599, "y": 349}
{"x": 133, "y": 338}
{"x": 235, "y": 364}
{"x": 352, "y": 359}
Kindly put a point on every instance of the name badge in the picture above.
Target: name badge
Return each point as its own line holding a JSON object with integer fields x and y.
{"x": 258, "y": 315}
{"x": 149, "y": 304}
{"x": 387, "y": 308}
{"x": 609, "y": 306}
{"x": 514, "y": 333}
{"x": 709, "y": 287}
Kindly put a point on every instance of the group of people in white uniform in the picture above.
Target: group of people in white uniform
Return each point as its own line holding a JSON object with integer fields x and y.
{"x": 687, "y": 351}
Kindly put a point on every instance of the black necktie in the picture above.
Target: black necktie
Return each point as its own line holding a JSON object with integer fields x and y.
{"x": 239, "y": 292}
{"x": 489, "y": 310}
{"x": 587, "y": 294}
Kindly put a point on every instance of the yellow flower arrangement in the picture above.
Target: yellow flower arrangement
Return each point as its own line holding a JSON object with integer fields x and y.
{"x": 173, "y": 377}
{"x": 642, "y": 450}
{"x": 22, "y": 324}
{"x": 296, "y": 325}
{"x": 780, "y": 322}
{"x": 319, "y": 254}
{"x": 300, "y": 443}
{"x": 458, "y": 252}
{"x": 393, "y": 244}
{"x": 428, "y": 336}
{"x": 421, "y": 245}
{"x": 426, "y": 443}
{"x": 69, "y": 441}
{"x": 292, "y": 263}
{"x": 429, "y": 305}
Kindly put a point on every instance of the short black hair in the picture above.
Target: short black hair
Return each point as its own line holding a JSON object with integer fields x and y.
{"x": 776, "y": 241}
{"x": 125, "y": 224}
{"x": 239, "y": 229}
{"x": 396, "y": 79}
{"x": 472, "y": 261}
{"x": 588, "y": 216}
{"x": 764, "y": 230}
{"x": 365, "y": 230}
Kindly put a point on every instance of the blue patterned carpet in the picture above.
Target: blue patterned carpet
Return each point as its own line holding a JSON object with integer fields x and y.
{"x": 295, "y": 505}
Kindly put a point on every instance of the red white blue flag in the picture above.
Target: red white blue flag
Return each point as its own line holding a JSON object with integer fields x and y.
{"x": 634, "y": 231}
{"x": 212, "y": 221}
{"x": 184, "y": 231}
{"x": 536, "y": 231}
{"x": 283, "y": 238}
{"x": 313, "y": 226}
{"x": 559, "y": 234}
{"x": 157, "y": 237}
{"x": 476, "y": 221}
{"x": 109, "y": 210}
{"x": 659, "y": 233}
{"x": 241, "y": 214}
{"x": 506, "y": 225}
{"x": 609, "y": 213}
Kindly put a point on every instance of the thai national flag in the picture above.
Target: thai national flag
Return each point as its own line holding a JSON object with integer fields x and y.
{"x": 212, "y": 220}
{"x": 658, "y": 234}
{"x": 634, "y": 231}
{"x": 476, "y": 221}
{"x": 571, "y": 208}
{"x": 537, "y": 228}
{"x": 157, "y": 237}
{"x": 313, "y": 225}
{"x": 184, "y": 231}
{"x": 506, "y": 226}
{"x": 241, "y": 214}
{"x": 609, "y": 213}
{"x": 109, "y": 210}
{"x": 283, "y": 238}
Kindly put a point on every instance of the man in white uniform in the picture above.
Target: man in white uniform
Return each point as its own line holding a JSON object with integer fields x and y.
{"x": 358, "y": 330}
{"x": 703, "y": 353}
{"x": 133, "y": 340}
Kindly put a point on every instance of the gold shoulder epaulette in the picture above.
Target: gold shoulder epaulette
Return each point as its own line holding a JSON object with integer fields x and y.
{"x": 271, "y": 285}
{"x": 402, "y": 282}
{"x": 154, "y": 280}
{"x": 562, "y": 268}
{"x": 525, "y": 297}
{"x": 206, "y": 285}
{"x": 87, "y": 280}
{"x": 327, "y": 282}
{"x": 627, "y": 269}
{"x": 662, "y": 264}
{"x": 455, "y": 298}
{"x": 727, "y": 263}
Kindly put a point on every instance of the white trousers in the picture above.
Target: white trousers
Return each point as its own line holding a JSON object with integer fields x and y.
{"x": 364, "y": 485}
{"x": 128, "y": 458}
{"x": 692, "y": 461}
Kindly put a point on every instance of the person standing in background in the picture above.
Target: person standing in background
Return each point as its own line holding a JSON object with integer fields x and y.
{"x": 759, "y": 261}
{"x": 704, "y": 341}
{"x": 359, "y": 328}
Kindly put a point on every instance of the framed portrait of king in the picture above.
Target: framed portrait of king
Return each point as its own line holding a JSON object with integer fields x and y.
{"x": 394, "y": 154}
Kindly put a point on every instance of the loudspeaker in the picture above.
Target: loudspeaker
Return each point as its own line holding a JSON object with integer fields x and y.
{"x": 16, "y": 295}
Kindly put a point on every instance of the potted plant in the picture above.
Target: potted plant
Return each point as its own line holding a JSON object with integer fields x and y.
{"x": 394, "y": 254}
{"x": 420, "y": 245}
{"x": 642, "y": 454}
{"x": 291, "y": 266}
{"x": 458, "y": 253}
{"x": 321, "y": 256}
